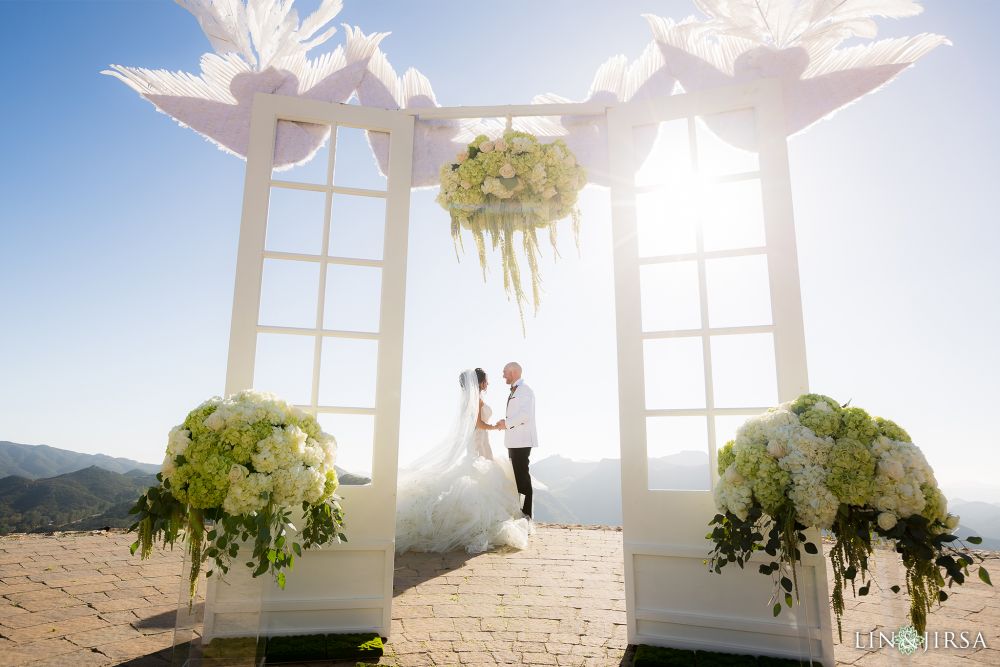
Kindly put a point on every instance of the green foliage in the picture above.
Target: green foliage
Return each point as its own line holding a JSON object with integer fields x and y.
{"x": 205, "y": 499}
{"x": 868, "y": 474}
{"x": 510, "y": 185}
{"x": 80, "y": 500}
{"x": 161, "y": 518}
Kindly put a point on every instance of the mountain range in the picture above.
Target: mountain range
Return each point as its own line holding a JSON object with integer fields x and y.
{"x": 37, "y": 461}
{"x": 590, "y": 492}
{"x": 44, "y": 488}
{"x": 89, "y": 498}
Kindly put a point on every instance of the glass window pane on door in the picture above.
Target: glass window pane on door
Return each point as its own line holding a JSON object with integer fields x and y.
{"x": 284, "y": 366}
{"x": 315, "y": 170}
{"x": 675, "y": 373}
{"x": 670, "y": 296}
{"x": 295, "y": 221}
{"x": 677, "y": 453}
{"x": 666, "y": 222}
{"x": 348, "y": 373}
{"x": 353, "y": 298}
{"x": 289, "y": 293}
{"x": 743, "y": 371}
{"x": 669, "y": 159}
{"x": 739, "y": 293}
{"x": 357, "y": 226}
{"x": 354, "y": 166}
{"x": 724, "y": 143}
{"x": 355, "y": 435}
{"x": 733, "y": 216}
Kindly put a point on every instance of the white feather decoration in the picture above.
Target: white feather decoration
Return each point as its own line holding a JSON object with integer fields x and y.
{"x": 261, "y": 47}
{"x": 795, "y": 41}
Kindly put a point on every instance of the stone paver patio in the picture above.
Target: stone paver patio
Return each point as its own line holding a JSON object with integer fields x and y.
{"x": 81, "y": 599}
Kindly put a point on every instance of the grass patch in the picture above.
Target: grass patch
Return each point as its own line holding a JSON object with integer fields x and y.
{"x": 223, "y": 651}
{"x": 659, "y": 656}
{"x": 301, "y": 648}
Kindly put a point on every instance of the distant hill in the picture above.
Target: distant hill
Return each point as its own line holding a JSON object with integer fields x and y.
{"x": 590, "y": 492}
{"x": 64, "y": 501}
{"x": 40, "y": 461}
{"x": 978, "y": 518}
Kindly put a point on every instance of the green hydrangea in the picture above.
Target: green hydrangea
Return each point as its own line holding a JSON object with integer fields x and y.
{"x": 725, "y": 456}
{"x": 856, "y": 424}
{"x": 935, "y": 503}
{"x": 508, "y": 185}
{"x": 768, "y": 481}
{"x": 851, "y": 474}
{"x": 892, "y": 430}
{"x": 820, "y": 414}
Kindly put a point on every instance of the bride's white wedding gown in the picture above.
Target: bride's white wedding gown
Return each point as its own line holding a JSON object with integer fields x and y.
{"x": 469, "y": 503}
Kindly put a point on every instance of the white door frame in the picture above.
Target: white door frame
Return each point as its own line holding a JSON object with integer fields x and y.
{"x": 667, "y": 603}
{"x": 348, "y": 586}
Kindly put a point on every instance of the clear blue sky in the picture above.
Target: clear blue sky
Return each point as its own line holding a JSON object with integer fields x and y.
{"x": 118, "y": 233}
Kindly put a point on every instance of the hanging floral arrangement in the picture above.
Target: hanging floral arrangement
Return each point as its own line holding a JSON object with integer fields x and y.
{"x": 231, "y": 475}
{"x": 512, "y": 184}
{"x": 815, "y": 463}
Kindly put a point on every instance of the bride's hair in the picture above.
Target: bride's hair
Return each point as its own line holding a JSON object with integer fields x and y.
{"x": 480, "y": 377}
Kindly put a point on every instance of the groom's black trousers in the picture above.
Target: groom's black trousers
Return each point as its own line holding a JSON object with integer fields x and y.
{"x": 519, "y": 462}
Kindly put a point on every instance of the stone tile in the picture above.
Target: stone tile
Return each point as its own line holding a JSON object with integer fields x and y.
{"x": 559, "y": 602}
{"x": 130, "y": 649}
{"x": 52, "y": 629}
{"x": 40, "y": 650}
{"x": 107, "y": 635}
{"x": 80, "y": 658}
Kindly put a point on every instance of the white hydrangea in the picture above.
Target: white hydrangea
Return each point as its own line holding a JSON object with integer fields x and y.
{"x": 178, "y": 441}
{"x": 248, "y": 493}
{"x": 886, "y": 520}
{"x": 814, "y": 503}
{"x": 733, "y": 493}
{"x": 900, "y": 472}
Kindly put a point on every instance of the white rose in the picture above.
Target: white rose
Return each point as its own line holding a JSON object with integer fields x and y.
{"x": 732, "y": 476}
{"x": 886, "y": 520}
{"x": 462, "y": 157}
{"x": 507, "y": 171}
{"x": 465, "y": 185}
{"x": 178, "y": 440}
{"x": 500, "y": 145}
{"x": 951, "y": 523}
{"x": 486, "y": 147}
{"x": 215, "y": 421}
{"x": 168, "y": 468}
{"x": 776, "y": 448}
{"x": 892, "y": 468}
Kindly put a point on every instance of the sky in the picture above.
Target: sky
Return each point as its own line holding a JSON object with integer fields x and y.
{"x": 119, "y": 230}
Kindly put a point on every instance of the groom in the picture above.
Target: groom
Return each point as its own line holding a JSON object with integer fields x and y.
{"x": 519, "y": 430}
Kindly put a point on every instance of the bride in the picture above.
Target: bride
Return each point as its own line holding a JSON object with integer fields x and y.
{"x": 457, "y": 495}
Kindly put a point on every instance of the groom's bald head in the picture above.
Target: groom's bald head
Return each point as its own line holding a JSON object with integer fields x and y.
{"x": 512, "y": 372}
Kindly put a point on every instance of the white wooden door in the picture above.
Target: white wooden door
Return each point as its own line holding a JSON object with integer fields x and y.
{"x": 710, "y": 332}
{"x": 318, "y": 320}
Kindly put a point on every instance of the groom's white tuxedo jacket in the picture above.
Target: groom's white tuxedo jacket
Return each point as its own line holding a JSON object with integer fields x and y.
{"x": 521, "y": 418}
